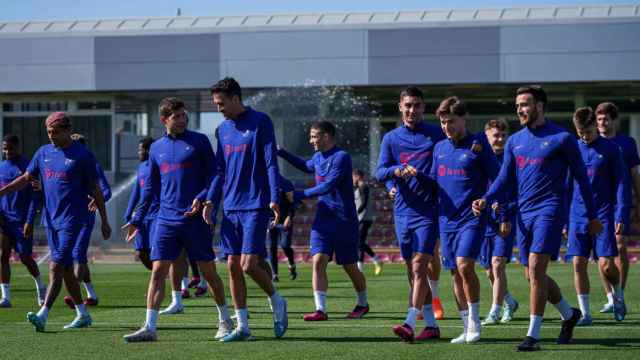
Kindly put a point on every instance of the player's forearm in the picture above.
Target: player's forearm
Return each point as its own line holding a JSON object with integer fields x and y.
{"x": 17, "y": 184}
{"x": 296, "y": 161}
{"x": 99, "y": 199}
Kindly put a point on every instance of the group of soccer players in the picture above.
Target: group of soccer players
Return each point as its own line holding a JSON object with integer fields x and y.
{"x": 465, "y": 196}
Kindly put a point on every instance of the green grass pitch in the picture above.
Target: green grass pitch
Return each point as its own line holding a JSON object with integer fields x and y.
{"x": 122, "y": 309}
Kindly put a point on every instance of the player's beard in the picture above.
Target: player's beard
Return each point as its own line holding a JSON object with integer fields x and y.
{"x": 530, "y": 118}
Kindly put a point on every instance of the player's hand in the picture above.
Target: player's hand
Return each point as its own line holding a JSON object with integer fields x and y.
{"x": 477, "y": 206}
{"x": 93, "y": 207}
{"x": 131, "y": 231}
{"x": 196, "y": 205}
{"x": 27, "y": 230}
{"x": 207, "y": 210}
{"x": 392, "y": 193}
{"x": 398, "y": 172}
{"x": 289, "y": 196}
{"x": 619, "y": 228}
{"x": 496, "y": 207}
{"x": 565, "y": 233}
{"x": 409, "y": 171}
{"x": 106, "y": 230}
{"x": 594, "y": 227}
{"x": 287, "y": 223}
{"x": 276, "y": 212}
{"x": 36, "y": 185}
{"x": 505, "y": 229}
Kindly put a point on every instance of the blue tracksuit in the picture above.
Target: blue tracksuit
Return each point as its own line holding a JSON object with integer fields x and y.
{"x": 17, "y": 208}
{"x": 631, "y": 159}
{"x": 415, "y": 205}
{"x": 495, "y": 245}
{"x": 181, "y": 169}
{"x": 67, "y": 176}
{"x": 335, "y": 227}
{"x": 142, "y": 240}
{"x": 606, "y": 173}
{"x": 247, "y": 178}
{"x": 462, "y": 171}
{"x": 538, "y": 160}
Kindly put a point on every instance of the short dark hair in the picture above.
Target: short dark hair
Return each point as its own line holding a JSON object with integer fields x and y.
{"x": 325, "y": 127}
{"x": 499, "y": 124}
{"x": 229, "y": 86}
{"x": 168, "y": 105}
{"x": 146, "y": 142}
{"x": 452, "y": 105}
{"x": 79, "y": 138}
{"x": 412, "y": 91}
{"x": 539, "y": 95}
{"x": 607, "y": 108}
{"x": 11, "y": 139}
{"x": 359, "y": 172}
{"x": 584, "y": 117}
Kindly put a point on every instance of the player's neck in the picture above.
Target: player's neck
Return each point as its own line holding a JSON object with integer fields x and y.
{"x": 328, "y": 147}
{"x": 239, "y": 113}
{"x": 539, "y": 122}
{"x": 414, "y": 125}
{"x": 609, "y": 135}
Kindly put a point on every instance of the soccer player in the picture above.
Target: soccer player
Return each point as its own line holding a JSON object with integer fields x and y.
{"x": 17, "y": 212}
{"x": 335, "y": 228}
{"x": 606, "y": 172}
{"x": 364, "y": 207}
{"x": 81, "y": 248}
{"x": 405, "y": 159}
{"x": 142, "y": 239}
{"x": 281, "y": 233}
{"x": 67, "y": 171}
{"x": 247, "y": 181}
{"x": 607, "y": 122}
{"x": 181, "y": 167}
{"x": 537, "y": 158}
{"x": 497, "y": 250}
{"x": 462, "y": 167}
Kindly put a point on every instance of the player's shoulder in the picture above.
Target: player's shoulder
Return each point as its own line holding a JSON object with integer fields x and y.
{"x": 625, "y": 140}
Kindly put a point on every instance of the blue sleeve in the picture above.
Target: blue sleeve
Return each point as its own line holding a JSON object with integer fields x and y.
{"x": 633, "y": 157}
{"x": 505, "y": 177}
{"x": 268, "y": 141}
{"x": 387, "y": 165}
{"x": 622, "y": 188}
{"x": 285, "y": 184}
{"x": 568, "y": 198}
{"x": 489, "y": 165}
{"x": 89, "y": 171}
{"x": 297, "y": 162}
{"x": 579, "y": 172}
{"x": 209, "y": 170}
{"x": 339, "y": 169}
{"x": 34, "y": 165}
{"x": 133, "y": 201}
{"x": 104, "y": 184}
{"x": 389, "y": 185}
{"x": 151, "y": 184}
{"x": 34, "y": 205}
{"x": 215, "y": 189}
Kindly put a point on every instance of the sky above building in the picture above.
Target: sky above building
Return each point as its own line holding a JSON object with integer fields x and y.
{"x": 18, "y": 10}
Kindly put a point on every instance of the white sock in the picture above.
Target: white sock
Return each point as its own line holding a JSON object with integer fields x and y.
{"x": 81, "y": 309}
{"x": 243, "y": 320}
{"x": 362, "y": 298}
{"x": 495, "y": 309}
{"x": 38, "y": 281}
{"x": 474, "y": 317}
{"x": 90, "y": 292}
{"x": 535, "y": 321}
{"x": 509, "y": 300}
{"x": 176, "y": 298}
{"x": 203, "y": 283}
{"x": 617, "y": 293}
{"x": 412, "y": 315}
{"x": 185, "y": 283}
{"x": 564, "y": 309}
{"x": 360, "y": 266}
{"x": 464, "y": 315}
{"x": 427, "y": 314}
{"x": 43, "y": 313}
{"x": 434, "y": 286}
{"x": 223, "y": 312}
{"x": 609, "y": 298}
{"x": 583, "y": 303}
{"x": 320, "y": 298}
{"x": 6, "y": 291}
{"x": 152, "y": 319}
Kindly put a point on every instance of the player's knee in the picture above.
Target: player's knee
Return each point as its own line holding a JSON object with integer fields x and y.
{"x": 579, "y": 264}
